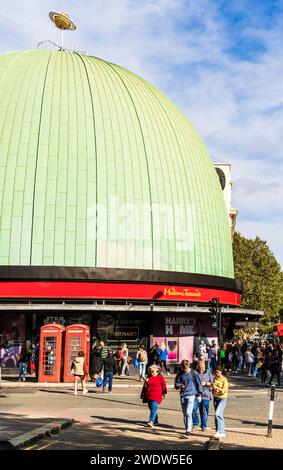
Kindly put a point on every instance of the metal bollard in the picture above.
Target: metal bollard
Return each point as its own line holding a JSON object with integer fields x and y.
{"x": 271, "y": 407}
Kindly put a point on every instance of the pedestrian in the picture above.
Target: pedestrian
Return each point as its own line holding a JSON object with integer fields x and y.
{"x": 209, "y": 357}
{"x": 257, "y": 360}
{"x": 265, "y": 368}
{"x": 155, "y": 354}
{"x": 110, "y": 367}
{"x": 79, "y": 371}
{"x": 202, "y": 406}
{"x": 222, "y": 354}
{"x": 142, "y": 360}
{"x": 23, "y": 364}
{"x": 189, "y": 384}
{"x": 103, "y": 354}
{"x": 249, "y": 360}
{"x": 228, "y": 356}
{"x": 31, "y": 358}
{"x": 164, "y": 357}
{"x": 214, "y": 353}
{"x": 201, "y": 351}
{"x": 275, "y": 366}
{"x": 119, "y": 355}
{"x": 244, "y": 348}
{"x": 125, "y": 359}
{"x": 104, "y": 350}
{"x": 220, "y": 394}
{"x": 95, "y": 363}
{"x": 239, "y": 355}
{"x": 154, "y": 390}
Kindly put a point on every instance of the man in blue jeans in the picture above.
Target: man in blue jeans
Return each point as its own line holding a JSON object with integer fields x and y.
{"x": 189, "y": 384}
{"x": 110, "y": 368}
{"x": 206, "y": 379}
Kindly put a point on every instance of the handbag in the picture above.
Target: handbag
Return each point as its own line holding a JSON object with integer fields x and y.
{"x": 136, "y": 363}
{"x": 144, "y": 393}
{"x": 99, "y": 381}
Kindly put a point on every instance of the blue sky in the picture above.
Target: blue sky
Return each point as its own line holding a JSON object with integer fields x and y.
{"x": 220, "y": 61}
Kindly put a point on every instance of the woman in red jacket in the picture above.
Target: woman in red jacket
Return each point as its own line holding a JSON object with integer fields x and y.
{"x": 154, "y": 390}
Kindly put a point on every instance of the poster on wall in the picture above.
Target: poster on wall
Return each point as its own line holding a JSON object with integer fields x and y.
{"x": 173, "y": 349}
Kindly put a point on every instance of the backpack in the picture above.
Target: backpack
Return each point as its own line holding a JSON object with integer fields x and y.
{"x": 142, "y": 356}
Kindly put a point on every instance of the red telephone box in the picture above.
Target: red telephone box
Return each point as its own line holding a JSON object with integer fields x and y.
{"x": 50, "y": 353}
{"x": 77, "y": 339}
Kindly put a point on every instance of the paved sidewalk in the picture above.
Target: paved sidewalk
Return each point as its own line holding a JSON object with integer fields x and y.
{"x": 252, "y": 439}
{"x": 21, "y": 430}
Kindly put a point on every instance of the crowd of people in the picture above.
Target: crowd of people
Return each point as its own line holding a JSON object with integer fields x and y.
{"x": 258, "y": 357}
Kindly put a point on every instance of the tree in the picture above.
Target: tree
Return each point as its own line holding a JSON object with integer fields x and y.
{"x": 262, "y": 277}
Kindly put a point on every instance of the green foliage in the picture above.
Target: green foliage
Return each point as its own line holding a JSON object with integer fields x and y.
{"x": 261, "y": 274}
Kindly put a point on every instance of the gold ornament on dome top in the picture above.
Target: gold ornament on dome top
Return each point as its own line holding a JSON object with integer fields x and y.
{"x": 62, "y": 21}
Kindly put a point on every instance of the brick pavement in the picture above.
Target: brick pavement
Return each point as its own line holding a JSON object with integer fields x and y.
{"x": 251, "y": 438}
{"x": 130, "y": 436}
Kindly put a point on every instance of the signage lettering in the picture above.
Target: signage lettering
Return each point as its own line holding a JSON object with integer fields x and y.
{"x": 185, "y": 292}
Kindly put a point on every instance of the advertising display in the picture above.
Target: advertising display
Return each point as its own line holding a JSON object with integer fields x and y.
{"x": 12, "y": 337}
{"x": 172, "y": 345}
{"x": 182, "y": 334}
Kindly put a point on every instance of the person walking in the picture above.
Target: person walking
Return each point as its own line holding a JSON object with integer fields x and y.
{"x": 155, "y": 354}
{"x": 249, "y": 360}
{"x": 214, "y": 353}
{"x": 265, "y": 368}
{"x": 120, "y": 358}
{"x": 23, "y": 364}
{"x": 209, "y": 357}
{"x": 206, "y": 380}
{"x": 275, "y": 366}
{"x": 189, "y": 384}
{"x": 95, "y": 363}
{"x": 79, "y": 372}
{"x": 220, "y": 394}
{"x": 125, "y": 358}
{"x": 104, "y": 350}
{"x": 31, "y": 363}
{"x": 257, "y": 360}
{"x": 103, "y": 354}
{"x": 154, "y": 390}
{"x": 222, "y": 354}
{"x": 110, "y": 367}
{"x": 164, "y": 357}
{"x": 142, "y": 360}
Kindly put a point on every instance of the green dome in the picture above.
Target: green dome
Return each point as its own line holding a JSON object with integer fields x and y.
{"x": 99, "y": 169}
